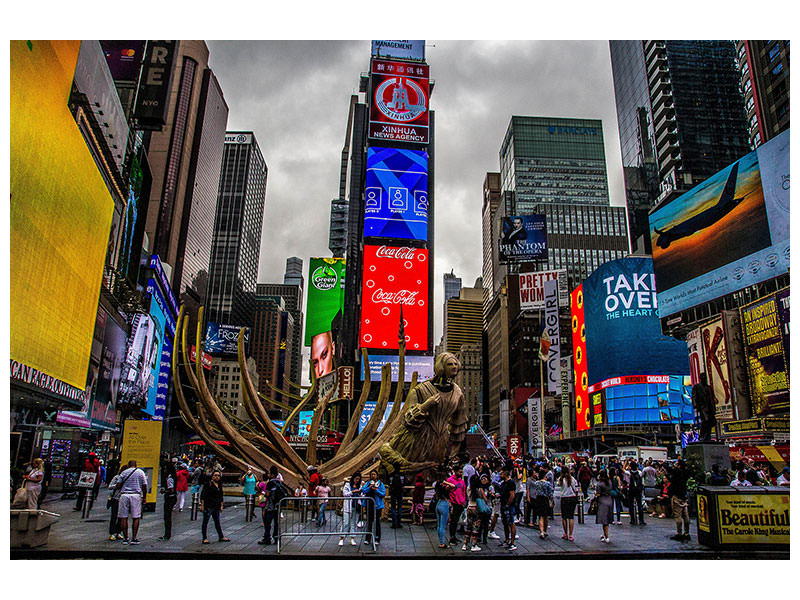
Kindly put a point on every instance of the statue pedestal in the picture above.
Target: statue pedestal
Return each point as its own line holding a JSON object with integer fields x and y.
{"x": 701, "y": 455}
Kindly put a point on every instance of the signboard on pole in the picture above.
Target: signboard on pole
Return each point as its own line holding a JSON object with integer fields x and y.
{"x": 551, "y": 325}
{"x": 514, "y": 446}
{"x": 534, "y": 424}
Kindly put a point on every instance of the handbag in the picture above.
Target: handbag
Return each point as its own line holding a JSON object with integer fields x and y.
{"x": 483, "y": 506}
{"x": 20, "y": 498}
{"x": 592, "y": 507}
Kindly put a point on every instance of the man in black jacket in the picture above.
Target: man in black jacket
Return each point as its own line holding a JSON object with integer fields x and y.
{"x": 635, "y": 490}
{"x": 677, "y": 496}
{"x": 396, "y": 484}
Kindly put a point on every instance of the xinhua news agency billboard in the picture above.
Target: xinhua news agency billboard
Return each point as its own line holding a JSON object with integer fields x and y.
{"x": 325, "y": 296}
{"x": 727, "y": 233}
{"x": 396, "y": 194}
{"x": 523, "y": 238}
{"x": 399, "y": 102}
{"x": 394, "y": 277}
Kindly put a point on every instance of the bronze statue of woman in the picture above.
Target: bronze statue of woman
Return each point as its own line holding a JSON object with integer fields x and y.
{"x": 434, "y": 425}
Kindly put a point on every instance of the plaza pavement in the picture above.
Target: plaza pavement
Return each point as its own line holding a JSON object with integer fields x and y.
{"x": 74, "y": 538}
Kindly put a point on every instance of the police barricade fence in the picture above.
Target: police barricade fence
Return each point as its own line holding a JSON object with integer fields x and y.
{"x": 346, "y": 517}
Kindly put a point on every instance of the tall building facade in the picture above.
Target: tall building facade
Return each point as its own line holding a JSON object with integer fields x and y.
{"x": 452, "y": 285}
{"x": 225, "y": 383}
{"x": 463, "y": 321}
{"x": 764, "y": 67}
{"x": 271, "y": 342}
{"x": 681, "y": 118}
{"x": 293, "y": 302}
{"x": 337, "y": 236}
{"x": 557, "y": 167}
{"x": 237, "y": 231}
{"x": 294, "y": 272}
{"x": 469, "y": 379}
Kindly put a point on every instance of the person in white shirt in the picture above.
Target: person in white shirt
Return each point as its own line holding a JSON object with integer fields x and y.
{"x": 740, "y": 481}
{"x": 132, "y": 486}
{"x": 783, "y": 480}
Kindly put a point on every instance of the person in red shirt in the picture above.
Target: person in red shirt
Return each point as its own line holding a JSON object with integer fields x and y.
{"x": 314, "y": 480}
{"x": 92, "y": 465}
{"x": 182, "y": 485}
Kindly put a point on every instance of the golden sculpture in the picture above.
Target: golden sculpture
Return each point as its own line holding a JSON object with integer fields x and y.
{"x": 418, "y": 434}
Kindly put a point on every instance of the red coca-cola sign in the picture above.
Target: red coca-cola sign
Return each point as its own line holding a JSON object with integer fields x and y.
{"x": 394, "y": 277}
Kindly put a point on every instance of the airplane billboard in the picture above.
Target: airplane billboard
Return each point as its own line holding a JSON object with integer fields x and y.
{"x": 727, "y": 233}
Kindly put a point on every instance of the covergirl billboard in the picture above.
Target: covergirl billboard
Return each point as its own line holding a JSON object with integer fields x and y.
{"x": 394, "y": 277}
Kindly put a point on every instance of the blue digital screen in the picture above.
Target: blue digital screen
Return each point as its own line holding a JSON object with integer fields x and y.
{"x": 623, "y": 330}
{"x": 396, "y": 195}
{"x": 155, "y": 376}
{"x": 649, "y": 403}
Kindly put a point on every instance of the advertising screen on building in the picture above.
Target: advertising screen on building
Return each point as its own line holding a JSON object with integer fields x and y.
{"x": 104, "y": 405}
{"x": 224, "y": 339}
{"x": 325, "y": 297}
{"x": 531, "y": 289}
{"x": 399, "y": 103}
{"x": 641, "y": 399}
{"x": 402, "y": 49}
{"x": 140, "y": 370}
{"x": 369, "y": 410}
{"x": 767, "y": 363}
{"x": 124, "y": 58}
{"x": 716, "y": 368}
{"x": 394, "y": 277}
{"x": 727, "y": 233}
{"x": 423, "y": 365}
{"x": 157, "y": 361}
{"x": 581, "y": 375}
{"x": 396, "y": 195}
{"x": 623, "y": 330}
{"x": 59, "y": 218}
{"x": 523, "y": 238}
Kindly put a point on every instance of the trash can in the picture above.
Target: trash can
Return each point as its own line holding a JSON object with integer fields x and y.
{"x": 31, "y": 528}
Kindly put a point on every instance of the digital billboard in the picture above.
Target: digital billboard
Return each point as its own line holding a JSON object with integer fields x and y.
{"x": 157, "y": 363}
{"x": 140, "y": 370}
{"x": 59, "y": 218}
{"x": 124, "y": 58}
{"x": 728, "y": 232}
{"x": 369, "y": 410}
{"x": 304, "y": 422}
{"x": 423, "y": 365}
{"x": 531, "y": 288}
{"x": 399, "y": 102}
{"x": 224, "y": 339}
{"x": 641, "y": 399}
{"x": 394, "y": 277}
{"x": 325, "y": 296}
{"x": 523, "y": 238}
{"x": 104, "y": 405}
{"x": 623, "y": 330}
{"x": 767, "y": 363}
{"x": 396, "y": 194}
{"x": 581, "y": 375}
{"x": 403, "y": 49}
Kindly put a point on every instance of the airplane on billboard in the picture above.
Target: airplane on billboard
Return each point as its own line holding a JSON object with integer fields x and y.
{"x": 727, "y": 202}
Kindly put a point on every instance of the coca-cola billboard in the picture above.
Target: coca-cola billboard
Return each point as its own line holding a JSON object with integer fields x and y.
{"x": 394, "y": 277}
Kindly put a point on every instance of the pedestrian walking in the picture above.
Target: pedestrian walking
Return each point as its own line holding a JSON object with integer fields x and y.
{"x": 132, "y": 486}
{"x": 323, "y": 492}
{"x": 604, "y": 514}
{"x": 375, "y": 489}
{"x": 531, "y": 516}
{"x": 396, "y": 484}
{"x": 442, "y": 495}
{"x": 114, "y": 529}
{"x": 635, "y": 491}
{"x": 508, "y": 489}
{"x": 472, "y": 527}
{"x": 458, "y": 501}
{"x": 33, "y": 483}
{"x": 351, "y": 491}
{"x": 418, "y": 500}
{"x": 170, "y": 498}
{"x": 181, "y": 485}
{"x": 568, "y": 490}
{"x": 680, "y": 507}
{"x": 248, "y": 481}
{"x": 542, "y": 495}
{"x": 211, "y": 505}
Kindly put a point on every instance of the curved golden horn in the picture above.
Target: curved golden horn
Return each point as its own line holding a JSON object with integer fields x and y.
{"x": 305, "y": 399}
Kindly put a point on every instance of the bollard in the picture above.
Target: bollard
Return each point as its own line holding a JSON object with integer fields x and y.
{"x": 249, "y": 507}
{"x": 87, "y": 503}
{"x": 580, "y": 506}
{"x": 195, "y": 506}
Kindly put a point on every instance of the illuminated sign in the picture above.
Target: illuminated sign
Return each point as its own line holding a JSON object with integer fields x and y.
{"x": 753, "y": 518}
{"x": 152, "y": 98}
{"x": 394, "y": 277}
{"x": 223, "y": 339}
{"x": 729, "y": 232}
{"x": 396, "y": 194}
{"x": 423, "y": 365}
{"x": 304, "y": 425}
{"x": 399, "y": 103}
{"x": 523, "y": 238}
{"x": 598, "y": 414}
{"x": 408, "y": 49}
{"x": 581, "y": 374}
{"x": 41, "y": 380}
{"x": 623, "y": 330}
{"x": 531, "y": 288}
{"x": 325, "y": 295}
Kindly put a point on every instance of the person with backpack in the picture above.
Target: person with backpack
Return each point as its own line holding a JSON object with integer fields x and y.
{"x": 635, "y": 491}
{"x": 396, "y": 485}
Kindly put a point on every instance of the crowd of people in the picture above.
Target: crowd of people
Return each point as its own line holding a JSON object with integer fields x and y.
{"x": 470, "y": 498}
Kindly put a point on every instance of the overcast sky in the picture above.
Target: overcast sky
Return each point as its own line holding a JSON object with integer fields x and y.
{"x": 295, "y": 94}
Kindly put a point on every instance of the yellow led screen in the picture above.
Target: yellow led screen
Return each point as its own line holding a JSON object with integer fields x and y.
{"x": 60, "y": 216}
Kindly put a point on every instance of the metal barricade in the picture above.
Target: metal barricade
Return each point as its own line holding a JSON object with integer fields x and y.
{"x": 325, "y": 517}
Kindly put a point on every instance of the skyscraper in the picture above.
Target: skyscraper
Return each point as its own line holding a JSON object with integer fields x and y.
{"x": 273, "y": 330}
{"x": 237, "y": 231}
{"x": 294, "y": 272}
{"x": 337, "y": 236}
{"x": 463, "y": 319}
{"x": 681, "y": 119}
{"x": 452, "y": 286}
{"x": 764, "y": 65}
{"x": 293, "y": 299}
